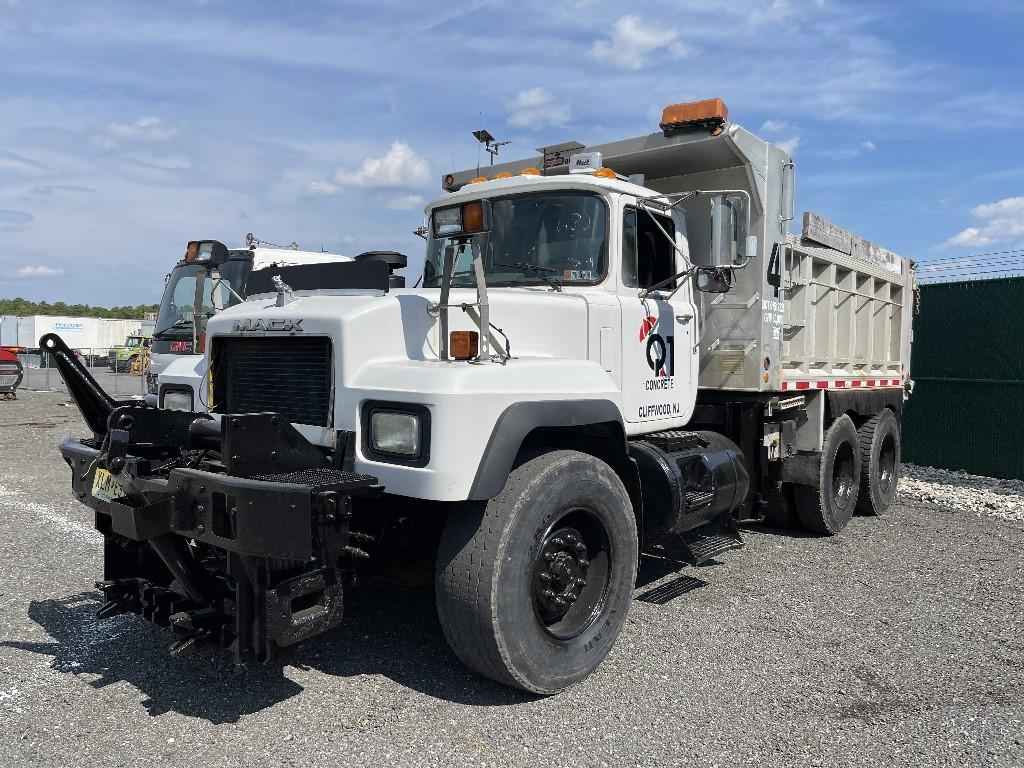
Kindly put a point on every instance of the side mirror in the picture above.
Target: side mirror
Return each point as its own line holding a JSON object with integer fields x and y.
{"x": 731, "y": 243}
{"x": 714, "y": 280}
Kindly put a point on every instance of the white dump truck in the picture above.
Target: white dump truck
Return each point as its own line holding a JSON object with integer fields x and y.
{"x": 211, "y": 277}
{"x": 615, "y": 350}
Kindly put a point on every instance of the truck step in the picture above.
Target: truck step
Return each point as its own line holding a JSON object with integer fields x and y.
{"x": 322, "y": 479}
{"x": 709, "y": 541}
{"x": 670, "y": 590}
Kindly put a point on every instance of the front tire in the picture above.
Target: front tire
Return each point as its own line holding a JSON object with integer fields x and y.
{"x": 828, "y": 508}
{"x": 533, "y": 586}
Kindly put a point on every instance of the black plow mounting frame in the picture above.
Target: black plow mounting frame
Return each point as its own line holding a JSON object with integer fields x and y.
{"x": 231, "y": 530}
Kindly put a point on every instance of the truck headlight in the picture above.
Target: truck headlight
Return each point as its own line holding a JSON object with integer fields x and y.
{"x": 458, "y": 220}
{"x": 176, "y": 399}
{"x": 396, "y": 433}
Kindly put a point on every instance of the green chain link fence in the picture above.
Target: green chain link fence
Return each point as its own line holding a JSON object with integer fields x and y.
{"x": 967, "y": 410}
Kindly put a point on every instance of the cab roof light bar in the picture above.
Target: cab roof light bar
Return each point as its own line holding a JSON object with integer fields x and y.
{"x": 707, "y": 113}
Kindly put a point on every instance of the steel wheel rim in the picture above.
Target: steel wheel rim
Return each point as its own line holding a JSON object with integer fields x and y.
{"x": 571, "y": 574}
{"x": 887, "y": 465}
{"x": 842, "y": 476}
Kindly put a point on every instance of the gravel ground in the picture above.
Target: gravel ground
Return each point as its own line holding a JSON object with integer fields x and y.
{"x": 963, "y": 492}
{"x": 897, "y": 643}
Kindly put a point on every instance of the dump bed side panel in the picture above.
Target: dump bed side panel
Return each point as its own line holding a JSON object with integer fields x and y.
{"x": 848, "y": 312}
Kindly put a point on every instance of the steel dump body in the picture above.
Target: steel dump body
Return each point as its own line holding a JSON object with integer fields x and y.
{"x": 825, "y": 308}
{"x": 847, "y": 316}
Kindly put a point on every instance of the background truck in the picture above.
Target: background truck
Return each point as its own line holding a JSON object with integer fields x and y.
{"x": 209, "y": 278}
{"x": 131, "y": 356}
{"x": 615, "y": 352}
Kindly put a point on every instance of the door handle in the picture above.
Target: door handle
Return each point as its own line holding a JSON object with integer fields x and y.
{"x": 684, "y": 318}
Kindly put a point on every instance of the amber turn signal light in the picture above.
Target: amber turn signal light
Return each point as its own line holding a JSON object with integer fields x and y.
{"x": 473, "y": 217}
{"x": 462, "y": 345}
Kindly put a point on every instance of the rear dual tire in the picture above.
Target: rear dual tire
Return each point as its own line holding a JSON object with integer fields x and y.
{"x": 827, "y": 508}
{"x": 880, "y": 451}
{"x": 533, "y": 587}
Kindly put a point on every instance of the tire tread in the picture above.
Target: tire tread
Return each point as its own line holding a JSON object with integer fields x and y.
{"x": 474, "y": 538}
{"x": 810, "y": 502}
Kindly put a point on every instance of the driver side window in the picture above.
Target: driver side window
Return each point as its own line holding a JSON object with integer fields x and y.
{"x": 647, "y": 255}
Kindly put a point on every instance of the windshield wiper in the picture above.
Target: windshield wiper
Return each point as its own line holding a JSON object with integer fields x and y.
{"x": 537, "y": 270}
{"x": 180, "y": 321}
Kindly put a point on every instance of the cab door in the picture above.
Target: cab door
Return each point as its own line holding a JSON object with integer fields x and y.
{"x": 658, "y": 332}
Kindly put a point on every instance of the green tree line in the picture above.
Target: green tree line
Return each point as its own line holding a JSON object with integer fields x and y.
{"x": 20, "y": 306}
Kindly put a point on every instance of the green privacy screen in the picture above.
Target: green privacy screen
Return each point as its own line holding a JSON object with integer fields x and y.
{"x": 967, "y": 410}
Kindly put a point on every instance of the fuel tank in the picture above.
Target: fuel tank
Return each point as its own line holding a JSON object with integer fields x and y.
{"x": 687, "y": 479}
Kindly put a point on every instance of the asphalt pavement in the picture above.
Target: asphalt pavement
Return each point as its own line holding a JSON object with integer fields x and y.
{"x": 897, "y": 643}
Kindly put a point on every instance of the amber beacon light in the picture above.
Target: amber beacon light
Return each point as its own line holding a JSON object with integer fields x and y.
{"x": 709, "y": 113}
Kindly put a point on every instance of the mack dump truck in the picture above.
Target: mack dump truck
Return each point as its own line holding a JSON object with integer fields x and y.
{"x": 615, "y": 350}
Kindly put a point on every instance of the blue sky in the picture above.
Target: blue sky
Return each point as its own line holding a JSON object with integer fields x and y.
{"x": 128, "y": 128}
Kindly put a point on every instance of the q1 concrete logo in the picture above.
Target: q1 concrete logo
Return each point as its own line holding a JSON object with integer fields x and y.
{"x": 660, "y": 351}
{"x": 65, "y": 326}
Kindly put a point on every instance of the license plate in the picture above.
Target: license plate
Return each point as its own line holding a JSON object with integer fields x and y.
{"x": 105, "y": 486}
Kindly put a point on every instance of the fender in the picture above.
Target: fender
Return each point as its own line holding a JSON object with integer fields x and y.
{"x": 864, "y": 402}
{"x": 517, "y": 421}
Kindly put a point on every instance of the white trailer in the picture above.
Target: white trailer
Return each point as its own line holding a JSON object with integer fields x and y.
{"x": 81, "y": 333}
{"x": 615, "y": 352}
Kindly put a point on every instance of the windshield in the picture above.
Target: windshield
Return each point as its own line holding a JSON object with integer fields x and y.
{"x": 534, "y": 239}
{"x": 134, "y": 341}
{"x": 177, "y": 305}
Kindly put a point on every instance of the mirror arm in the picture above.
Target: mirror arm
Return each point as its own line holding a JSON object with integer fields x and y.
{"x": 671, "y": 240}
{"x": 645, "y": 292}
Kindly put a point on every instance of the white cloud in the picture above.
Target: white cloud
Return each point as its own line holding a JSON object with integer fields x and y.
{"x": 773, "y": 126}
{"x": 536, "y": 108}
{"x": 789, "y": 145}
{"x": 399, "y": 167}
{"x": 38, "y": 270}
{"x": 322, "y": 188}
{"x": 846, "y": 153}
{"x": 632, "y": 41}
{"x": 405, "y": 203}
{"x": 1002, "y": 221}
{"x": 14, "y": 163}
{"x": 145, "y": 129}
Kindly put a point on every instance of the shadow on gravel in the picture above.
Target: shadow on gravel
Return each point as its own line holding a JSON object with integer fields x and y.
{"x": 388, "y": 630}
{"x": 787, "y": 532}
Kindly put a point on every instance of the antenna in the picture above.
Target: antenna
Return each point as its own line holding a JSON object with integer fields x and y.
{"x": 251, "y": 241}
{"x": 492, "y": 146}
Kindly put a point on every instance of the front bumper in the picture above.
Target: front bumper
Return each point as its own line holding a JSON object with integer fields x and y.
{"x": 251, "y": 564}
{"x": 270, "y": 516}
